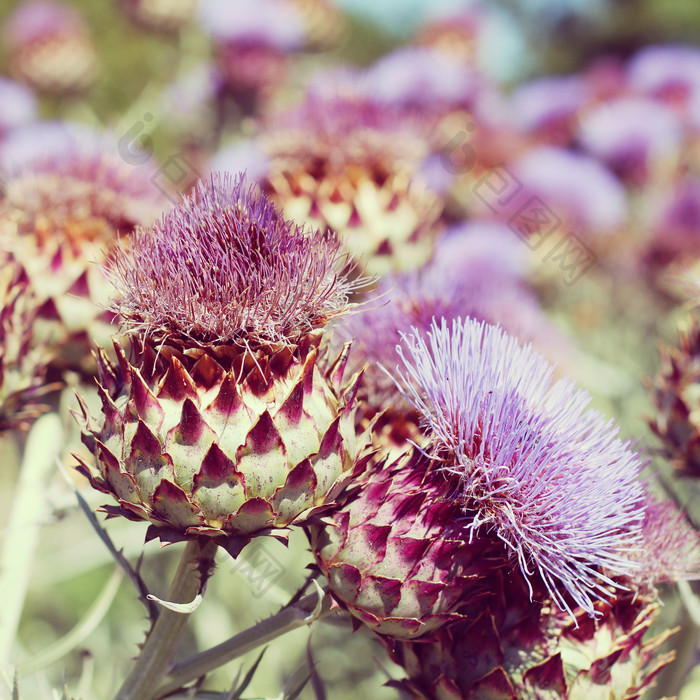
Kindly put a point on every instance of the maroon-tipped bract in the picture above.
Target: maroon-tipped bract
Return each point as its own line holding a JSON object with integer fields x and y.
{"x": 224, "y": 422}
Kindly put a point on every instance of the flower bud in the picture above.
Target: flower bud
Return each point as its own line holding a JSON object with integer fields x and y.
{"x": 225, "y": 422}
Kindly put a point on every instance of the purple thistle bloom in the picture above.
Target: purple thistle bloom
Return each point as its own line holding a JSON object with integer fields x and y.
{"x": 671, "y": 546}
{"x": 224, "y": 267}
{"x": 54, "y": 168}
{"x": 17, "y": 105}
{"x": 32, "y": 142}
{"x": 252, "y": 40}
{"x": 331, "y": 114}
{"x": 423, "y": 78}
{"x": 677, "y": 223}
{"x": 552, "y": 479}
{"x": 270, "y": 23}
{"x": 50, "y": 47}
{"x": 337, "y": 128}
{"x": 549, "y": 104}
{"x": 478, "y": 270}
{"x": 474, "y": 264}
{"x": 38, "y": 19}
{"x": 664, "y": 70}
{"x": 574, "y": 185}
{"x": 626, "y": 133}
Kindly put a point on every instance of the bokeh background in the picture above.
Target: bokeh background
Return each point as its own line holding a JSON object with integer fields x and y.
{"x": 639, "y": 212}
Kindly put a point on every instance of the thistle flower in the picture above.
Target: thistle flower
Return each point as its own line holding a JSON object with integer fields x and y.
{"x": 22, "y": 362}
{"x": 549, "y": 477}
{"x": 674, "y": 393}
{"x": 674, "y": 241}
{"x": 416, "y": 78}
{"x": 17, "y": 106}
{"x": 633, "y": 136}
{"x": 512, "y": 647}
{"x": 521, "y": 645}
{"x": 399, "y": 554}
{"x": 511, "y": 477}
{"x": 579, "y": 189}
{"x": 671, "y": 546}
{"x": 225, "y": 422}
{"x": 550, "y": 106}
{"x": 666, "y": 72}
{"x": 479, "y": 271}
{"x": 252, "y": 40}
{"x": 517, "y": 460}
{"x": 345, "y": 163}
{"x": 161, "y": 276}
{"x": 66, "y": 199}
{"x": 449, "y": 95}
{"x": 50, "y": 47}
{"x": 160, "y": 15}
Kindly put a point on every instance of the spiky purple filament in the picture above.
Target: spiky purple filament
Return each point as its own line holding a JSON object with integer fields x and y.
{"x": 224, "y": 266}
{"x": 551, "y": 477}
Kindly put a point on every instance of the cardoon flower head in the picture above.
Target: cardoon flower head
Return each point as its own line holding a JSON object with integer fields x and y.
{"x": 423, "y": 79}
{"x": 520, "y": 645}
{"x": 22, "y": 361}
{"x": 252, "y": 40}
{"x": 582, "y": 191}
{"x": 398, "y": 554}
{"x": 225, "y": 423}
{"x": 511, "y": 647}
{"x": 549, "y": 106}
{"x": 66, "y": 199}
{"x": 17, "y": 106}
{"x": 632, "y": 136}
{"x": 50, "y": 47}
{"x": 68, "y": 174}
{"x": 225, "y": 268}
{"x": 675, "y": 228}
{"x": 161, "y": 15}
{"x": 671, "y": 72}
{"x": 272, "y": 23}
{"x": 343, "y": 162}
{"x": 549, "y": 477}
{"x": 671, "y": 546}
{"x": 478, "y": 270}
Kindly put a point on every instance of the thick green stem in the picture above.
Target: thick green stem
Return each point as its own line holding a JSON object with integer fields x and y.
{"x": 162, "y": 640}
{"x": 28, "y": 512}
{"x": 308, "y": 609}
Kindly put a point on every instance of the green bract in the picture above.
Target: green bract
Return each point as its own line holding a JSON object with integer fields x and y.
{"x": 225, "y": 443}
